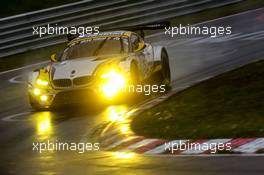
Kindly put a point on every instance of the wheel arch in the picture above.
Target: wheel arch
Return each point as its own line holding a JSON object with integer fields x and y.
{"x": 157, "y": 50}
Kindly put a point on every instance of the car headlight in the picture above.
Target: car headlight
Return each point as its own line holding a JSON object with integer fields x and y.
{"x": 112, "y": 82}
{"x": 41, "y": 82}
{"x": 36, "y": 91}
{"x": 43, "y": 98}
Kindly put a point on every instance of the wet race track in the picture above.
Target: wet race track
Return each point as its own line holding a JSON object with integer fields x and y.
{"x": 192, "y": 59}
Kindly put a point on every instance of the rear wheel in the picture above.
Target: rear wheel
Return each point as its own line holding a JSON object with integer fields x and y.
{"x": 135, "y": 81}
{"x": 165, "y": 69}
{"x": 134, "y": 74}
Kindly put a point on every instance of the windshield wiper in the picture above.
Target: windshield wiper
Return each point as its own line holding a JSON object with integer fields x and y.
{"x": 99, "y": 47}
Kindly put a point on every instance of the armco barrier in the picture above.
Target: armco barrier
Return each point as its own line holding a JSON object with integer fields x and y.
{"x": 16, "y": 31}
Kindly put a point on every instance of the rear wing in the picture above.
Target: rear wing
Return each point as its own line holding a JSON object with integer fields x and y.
{"x": 136, "y": 28}
{"x": 142, "y": 28}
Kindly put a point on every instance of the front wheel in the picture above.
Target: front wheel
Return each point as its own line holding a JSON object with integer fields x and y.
{"x": 35, "y": 105}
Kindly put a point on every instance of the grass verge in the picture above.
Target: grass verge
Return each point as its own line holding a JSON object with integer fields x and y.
{"x": 227, "y": 106}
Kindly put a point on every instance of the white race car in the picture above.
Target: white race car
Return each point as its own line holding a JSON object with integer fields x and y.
{"x": 97, "y": 66}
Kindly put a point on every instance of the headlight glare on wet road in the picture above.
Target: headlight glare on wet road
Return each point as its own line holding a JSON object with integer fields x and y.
{"x": 124, "y": 155}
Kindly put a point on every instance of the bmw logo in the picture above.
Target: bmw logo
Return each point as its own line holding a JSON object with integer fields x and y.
{"x": 73, "y": 71}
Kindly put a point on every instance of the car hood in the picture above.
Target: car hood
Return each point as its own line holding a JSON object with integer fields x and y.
{"x": 78, "y": 67}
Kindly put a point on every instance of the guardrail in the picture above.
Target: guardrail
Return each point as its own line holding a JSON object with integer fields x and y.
{"x": 16, "y": 32}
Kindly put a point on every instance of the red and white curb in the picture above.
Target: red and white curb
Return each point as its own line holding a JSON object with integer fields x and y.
{"x": 114, "y": 140}
{"x": 139, "y": 144}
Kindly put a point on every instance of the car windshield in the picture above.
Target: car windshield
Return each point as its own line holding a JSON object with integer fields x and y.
{"x": 96, "y": 47}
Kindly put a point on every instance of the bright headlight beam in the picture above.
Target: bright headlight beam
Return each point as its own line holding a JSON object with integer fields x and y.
{"x": 36, "y": 91}
{"x": 113, "y": 82}
{"x": 44, "y": 98}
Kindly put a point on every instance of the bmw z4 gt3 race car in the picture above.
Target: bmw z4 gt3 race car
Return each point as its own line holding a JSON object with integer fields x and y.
{"x": 97, "y": 66}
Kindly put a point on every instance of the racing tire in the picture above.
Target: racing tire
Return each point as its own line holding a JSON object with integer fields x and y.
{"x": 134, "y": 74}
{"x": 34, "y": 104}
{"x": 165, "y": 70}
{"x": 135, "y": 81}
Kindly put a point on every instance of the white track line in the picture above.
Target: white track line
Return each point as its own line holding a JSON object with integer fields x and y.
{"x": 13, "y": 80}
{"x": 10, "y": 118}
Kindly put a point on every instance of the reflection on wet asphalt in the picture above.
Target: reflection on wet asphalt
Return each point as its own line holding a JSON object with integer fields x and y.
{"x": 189, "y": 57}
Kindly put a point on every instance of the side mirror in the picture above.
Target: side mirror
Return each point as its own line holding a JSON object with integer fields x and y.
{"x": 140, "y": 46}
{"x": 53, "y": 57}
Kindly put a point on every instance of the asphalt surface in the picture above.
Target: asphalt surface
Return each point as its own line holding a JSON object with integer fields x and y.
{"x": 192, "y": 59}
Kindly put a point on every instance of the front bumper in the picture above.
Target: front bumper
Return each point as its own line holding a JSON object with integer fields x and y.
{"x": 62, "y": 97}
{"x": 75, "y": 96}
{"x": 105, "y": 88}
